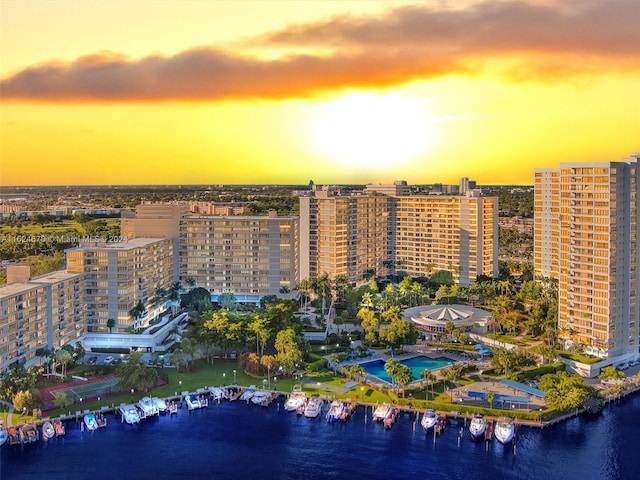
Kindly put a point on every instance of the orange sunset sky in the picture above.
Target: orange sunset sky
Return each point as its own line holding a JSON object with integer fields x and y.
{"x": 197, "y": 92}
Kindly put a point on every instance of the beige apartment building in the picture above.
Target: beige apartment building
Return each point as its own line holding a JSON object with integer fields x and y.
{"x": 386, "y": 228}
{"x": 46, "y": 311}
{"x": 344, "y": 234}
{"x": 586, "y": 238}
{"x": 119, "y": 275}
{"x": 454, "y": 233}
{"x": 248, "y": 256}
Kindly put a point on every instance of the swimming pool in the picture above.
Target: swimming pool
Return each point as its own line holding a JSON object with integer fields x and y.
{"x": 415, "y": 364}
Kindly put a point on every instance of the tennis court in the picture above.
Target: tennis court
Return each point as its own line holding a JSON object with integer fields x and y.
{"x": 100, "y": 388}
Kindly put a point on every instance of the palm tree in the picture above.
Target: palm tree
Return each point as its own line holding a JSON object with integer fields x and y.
{"x": 430, "y": 378}
{"x": 110, "y": 323}
{"x": 403, "y": 376}
{"x": 392, "y": 367}
{"x": 491, "y": 397}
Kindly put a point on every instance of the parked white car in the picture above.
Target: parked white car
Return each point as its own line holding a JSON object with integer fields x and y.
{"x": 108, "y": 360}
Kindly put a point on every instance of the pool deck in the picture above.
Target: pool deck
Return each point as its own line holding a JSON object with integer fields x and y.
{"x": 459, "y": 394}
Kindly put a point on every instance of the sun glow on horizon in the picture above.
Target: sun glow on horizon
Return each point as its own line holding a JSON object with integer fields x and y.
{"x": 367, "y": 129}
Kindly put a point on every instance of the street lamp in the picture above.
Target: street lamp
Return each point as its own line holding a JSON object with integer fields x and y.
{"x": 234, "y": 377}
{"x": 224, "y": 375}
{"x": 132, "y": 395}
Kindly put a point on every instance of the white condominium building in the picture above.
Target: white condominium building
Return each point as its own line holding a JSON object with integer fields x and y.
{"x": 42, "y": 312}
{"x": 250, "y": 257}
{"x": 586, "y": 237}
{"x": 119, "y": 275}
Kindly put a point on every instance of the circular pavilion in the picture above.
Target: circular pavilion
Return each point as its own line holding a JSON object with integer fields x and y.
{"x": 432, "y": 319}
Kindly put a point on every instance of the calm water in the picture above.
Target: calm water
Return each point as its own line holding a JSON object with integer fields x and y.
{"x": 240, "y": 441}
{"x": 416, "y": 364}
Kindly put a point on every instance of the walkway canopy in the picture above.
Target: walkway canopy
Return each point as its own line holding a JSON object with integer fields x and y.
{"x": 499, "y": 397}
{"x": 481, "y": 349}
{"x": 525, "y": 388}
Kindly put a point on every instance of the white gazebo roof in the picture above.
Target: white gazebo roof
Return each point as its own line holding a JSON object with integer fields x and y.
{"x": 438, "y": 315}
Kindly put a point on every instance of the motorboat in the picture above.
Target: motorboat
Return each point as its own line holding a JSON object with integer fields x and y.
{"x": 381, "y": 412}
{"x": 130, "y": 414}
{"x": 192, "y": 401}
{"x": 313, "y": 408}
{"x": 248, "y": 393}
{"x": 260, "y": 397}
{"x": 148, "y": 406}
{"x": 47, "y": 431}
{"x": 335, "y": 411}
{"x": 296, "y": 400}
{"x": 173, "y": 408}
{"x": 59, "y": 427}
{"x": 101, "y": 420}
{"x": 504, "y": 430}
{"x": 4, "y": 434}
{"x": 14, "y": 437}
{"x": 429, "y": 419}
{"x": 160, "y": 404}
{"x": 478, "y": 426}
{"x": 348, "y": 410}
{"x": 217, "y": 393}
{"x": 28, "y": 433}
{"x": 90, "y": 422}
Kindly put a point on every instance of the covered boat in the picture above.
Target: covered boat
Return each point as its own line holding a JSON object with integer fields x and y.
{"x": 48, "y": 431}
{"x": 477, "y": 426}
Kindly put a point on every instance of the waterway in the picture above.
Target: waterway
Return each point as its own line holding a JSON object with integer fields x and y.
{"x": 244, "y": 441}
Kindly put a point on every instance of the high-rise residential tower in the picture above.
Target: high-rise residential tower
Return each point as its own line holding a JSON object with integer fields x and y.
{"x": 385, "y": 228}
{"x": 586, "y": 232}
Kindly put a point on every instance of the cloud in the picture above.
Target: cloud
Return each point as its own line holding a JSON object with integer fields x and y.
{"x": 523, "y": 41}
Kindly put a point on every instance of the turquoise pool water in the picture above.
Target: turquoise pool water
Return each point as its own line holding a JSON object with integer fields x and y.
{"x": 416, "y": 364}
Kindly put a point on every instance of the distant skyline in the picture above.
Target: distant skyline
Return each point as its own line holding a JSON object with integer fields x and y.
{"x": 115, "y": 92}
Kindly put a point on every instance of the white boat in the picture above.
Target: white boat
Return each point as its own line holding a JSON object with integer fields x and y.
{"x": 90, "y": 422}
{"x": 217, "y": 393}
{"x": 504, "y": 430}
{"x": 28, "y": 433}
{"x": 260, "y": 397}
{"x": 381, "y": 412}
{"x": 192, "y": 401}
{"x": 160, "y": 404}
{"x": 4, "y": 434}
{"x": 429, "y": 419}
{"x": 130, "y": 414}
{"x": 248, "y": 393}
{"x": 478, "y": 426}
{"x": 148, "y": 406}
{"x": 335, "y": 411}
{"x": 296, "y": 400}
{"x": 47, "y": 431}
{"x": 313, "y": 408}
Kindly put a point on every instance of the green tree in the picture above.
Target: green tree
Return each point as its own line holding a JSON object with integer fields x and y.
{"x": 63, "y": 358}
{"x": 610, "y": 373}
{"x": 110, "y": 324}
{"x": 62, "y": 400}
{"x": 392, "y": 367}
{"x": 430, "y": 378}
{"x": 568, "y": 392}
{"x": 26, "y": 400}
{"x": 403, "y": 377}
{"x": 261, "y": 333}
{"x": 135, "y": 375}
{"x": 289, "y": 354}
{"x": 370, "y": 324}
